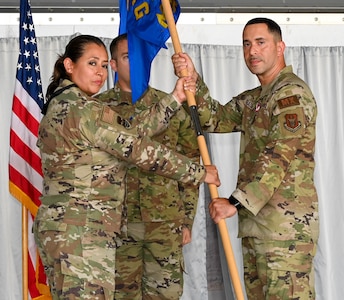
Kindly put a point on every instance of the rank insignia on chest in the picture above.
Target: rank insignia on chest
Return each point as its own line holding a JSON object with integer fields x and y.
{"x": 292, "y": 122}
{"x": 124, "y": 122}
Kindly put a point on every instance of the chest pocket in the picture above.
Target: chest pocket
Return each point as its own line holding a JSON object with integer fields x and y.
{"x": 259, "y": 119}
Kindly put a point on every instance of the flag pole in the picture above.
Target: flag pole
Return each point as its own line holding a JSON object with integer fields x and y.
{"x": 205, "y": 157}
{"x": 25, "y": 252}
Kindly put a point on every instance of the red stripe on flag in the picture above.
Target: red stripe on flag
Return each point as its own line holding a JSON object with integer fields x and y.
{"x": 25, "y": 152}
{"x": 32, "y": 279}
{"x": 23, "y": 184}
{"x": 25, "y": 116}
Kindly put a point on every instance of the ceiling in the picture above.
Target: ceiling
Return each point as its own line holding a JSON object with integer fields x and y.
{"x": 226, "y": 6}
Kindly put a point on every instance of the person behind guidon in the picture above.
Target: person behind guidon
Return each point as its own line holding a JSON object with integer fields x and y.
{"x": 160, "y": 211}
{"x": 275, "y": 196}
{"x": 85, "y": 147}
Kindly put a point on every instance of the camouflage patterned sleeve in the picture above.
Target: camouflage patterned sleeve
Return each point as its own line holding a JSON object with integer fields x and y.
{"x": 156, "y": 118}
{"x": 148, "y": 121}
{"x": 269, "y": 171}
{"x": 213, "y": 116}
{"x": 288, "y": 150}
{"x": 114, "y": 136}
{"x": 189, "y": 195}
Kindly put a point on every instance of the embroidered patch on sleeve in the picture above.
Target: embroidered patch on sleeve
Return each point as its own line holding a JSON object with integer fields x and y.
{"x": 292, "y": 122}
{"x": 108, "y": 115}
{"x": 288, "y": 101}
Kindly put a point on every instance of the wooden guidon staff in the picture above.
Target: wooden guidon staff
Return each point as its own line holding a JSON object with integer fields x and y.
{"x": 205, "y": 157}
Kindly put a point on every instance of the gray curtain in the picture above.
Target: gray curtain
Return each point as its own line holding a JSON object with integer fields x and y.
{"x": 223, "y": 69}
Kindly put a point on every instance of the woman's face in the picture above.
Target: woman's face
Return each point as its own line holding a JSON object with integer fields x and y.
{"x": 91, "y": 69}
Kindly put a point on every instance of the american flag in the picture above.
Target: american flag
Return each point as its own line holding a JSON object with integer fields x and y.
{"x": 25, "y": 173}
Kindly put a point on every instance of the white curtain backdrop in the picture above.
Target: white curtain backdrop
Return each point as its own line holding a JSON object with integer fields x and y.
{"x": 224, "y": 70}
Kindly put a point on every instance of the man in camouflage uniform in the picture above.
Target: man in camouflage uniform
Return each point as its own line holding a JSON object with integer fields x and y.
{"x": 160, "y": 211}
{"x": 275, "y": 196}
{"x": 85, "y": 148}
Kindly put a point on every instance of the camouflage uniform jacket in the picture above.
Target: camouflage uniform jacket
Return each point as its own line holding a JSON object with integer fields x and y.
{"x": 150, "y": 197}
{"x": 275, "y": 181}
{"x": 85, "y": 148}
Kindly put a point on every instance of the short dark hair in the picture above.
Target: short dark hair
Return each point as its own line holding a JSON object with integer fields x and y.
{"x": 273, "y": 27}
{"x": 114, "y": 44}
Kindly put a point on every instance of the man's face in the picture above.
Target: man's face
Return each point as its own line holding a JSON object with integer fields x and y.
{"x": 121, "y": 64}
{"x": 262, "y": 50}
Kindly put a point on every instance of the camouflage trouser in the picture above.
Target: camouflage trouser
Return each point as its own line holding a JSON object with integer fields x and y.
{"x": 278, "y": 270}
{"x": 79, "y": 262}
{"x": 149, "y": 264}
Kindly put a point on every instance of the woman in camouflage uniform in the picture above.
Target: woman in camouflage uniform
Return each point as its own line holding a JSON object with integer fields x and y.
{"x": 85, "y": 147}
